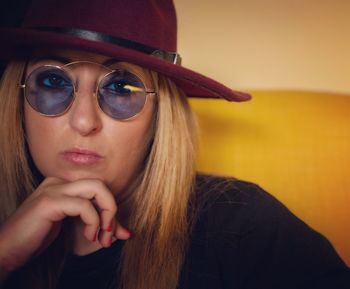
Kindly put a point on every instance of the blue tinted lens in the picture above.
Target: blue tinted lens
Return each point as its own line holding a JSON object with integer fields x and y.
{"x": 121, "y": 94}
{"x": 49, "y": 90}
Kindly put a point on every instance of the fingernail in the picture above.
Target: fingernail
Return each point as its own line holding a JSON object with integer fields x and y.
{"x": 128, "y": 232}
{"x": 109, "y": 228}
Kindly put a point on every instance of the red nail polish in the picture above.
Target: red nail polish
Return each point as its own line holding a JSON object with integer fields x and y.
{"x": 109, "y": 229}
{"x": 130, "y": 234}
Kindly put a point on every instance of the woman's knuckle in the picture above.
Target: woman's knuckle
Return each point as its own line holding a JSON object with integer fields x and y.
{"x": 113, "y": 208}
{"x": 86, "y": 205}
{"x": 101, "y": 186}
{"x": 44, "y": 200}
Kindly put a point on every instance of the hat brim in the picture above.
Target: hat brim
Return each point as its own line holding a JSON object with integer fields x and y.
{"x": 191, "y": 82}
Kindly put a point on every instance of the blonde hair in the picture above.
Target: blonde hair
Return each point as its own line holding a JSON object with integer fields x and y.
{"x": 15, "y": 175}
{"x": 161, "y": 219}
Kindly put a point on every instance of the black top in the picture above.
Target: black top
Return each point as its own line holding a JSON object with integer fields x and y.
{"x": 244, "y": 239}
{"x": 94, "y": 270}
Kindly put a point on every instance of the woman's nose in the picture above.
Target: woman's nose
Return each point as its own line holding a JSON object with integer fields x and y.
{"x": 85, "y": 116}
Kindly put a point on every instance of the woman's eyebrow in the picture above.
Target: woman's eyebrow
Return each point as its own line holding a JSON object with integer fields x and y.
{"x": 61, "y": 59}
{"x": 110, "y": 61}
{"x": 65, "y": 60}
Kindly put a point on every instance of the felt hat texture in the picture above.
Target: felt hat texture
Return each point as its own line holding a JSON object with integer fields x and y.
{"x": 143, "y": 32}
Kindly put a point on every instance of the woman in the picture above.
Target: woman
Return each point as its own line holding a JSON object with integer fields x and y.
{"x": 98, "y": 184}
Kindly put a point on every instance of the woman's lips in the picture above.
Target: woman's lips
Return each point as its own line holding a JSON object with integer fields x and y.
{"x": 81, "y": 156}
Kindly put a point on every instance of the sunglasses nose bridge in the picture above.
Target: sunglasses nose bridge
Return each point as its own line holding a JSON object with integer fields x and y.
{"x": 87, "y": 84}
{"x": 84, "y": 114}
{"x": 87, "y": 95}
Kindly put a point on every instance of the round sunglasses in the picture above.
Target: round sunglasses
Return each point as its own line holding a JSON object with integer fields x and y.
{"x": 51, "y": 89}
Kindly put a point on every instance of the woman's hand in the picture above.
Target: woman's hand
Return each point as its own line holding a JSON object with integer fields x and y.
{"x": 37, "y": 222}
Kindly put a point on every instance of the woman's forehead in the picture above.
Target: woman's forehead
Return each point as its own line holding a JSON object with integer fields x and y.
{"x": 69, "y": 55}
{"x": 65, "y": 56}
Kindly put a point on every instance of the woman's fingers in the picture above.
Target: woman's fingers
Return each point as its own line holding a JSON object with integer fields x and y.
{"x": 106, "y": 238}
{"x": 96, "y": 191}
{"x": 104, "y": 203}
{"x": 121, "y": 232}
{"x": 46, "y": 183}
{"x": 67, "y": 206}
{"x": 37, "y": 222}
{"x": 94, "y": 196}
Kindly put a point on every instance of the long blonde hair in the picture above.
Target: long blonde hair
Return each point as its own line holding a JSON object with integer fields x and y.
{"x": 160, "y": 218}
{"x": 15, "y": 176}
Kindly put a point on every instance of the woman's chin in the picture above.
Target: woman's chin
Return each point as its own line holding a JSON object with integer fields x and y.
{"x": 71, "y": 176}
{"x": 115, "y": 185}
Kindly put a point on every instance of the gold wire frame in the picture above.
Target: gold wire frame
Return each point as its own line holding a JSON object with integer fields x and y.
{"x": 110, "y": 71}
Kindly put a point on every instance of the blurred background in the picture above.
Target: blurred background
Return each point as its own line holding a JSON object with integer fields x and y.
{"x": 270, "y": 44}
{"x": 293, "y": 137}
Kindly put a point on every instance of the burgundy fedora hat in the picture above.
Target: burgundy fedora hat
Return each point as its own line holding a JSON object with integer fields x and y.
{"x": 137, "y": 31}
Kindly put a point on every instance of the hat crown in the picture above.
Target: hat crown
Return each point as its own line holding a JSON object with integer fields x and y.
{"x": 150, "y": 22}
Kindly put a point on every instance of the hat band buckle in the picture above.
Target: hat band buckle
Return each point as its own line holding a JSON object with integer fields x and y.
{"x": 172, "y": 57}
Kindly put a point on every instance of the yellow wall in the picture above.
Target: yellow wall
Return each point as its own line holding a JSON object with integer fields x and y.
{"x": 294, "y": 144}
{"x": 268, "y": 44}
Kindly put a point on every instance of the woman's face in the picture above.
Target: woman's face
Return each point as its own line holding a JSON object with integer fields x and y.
{"x": 84, "y": 142}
